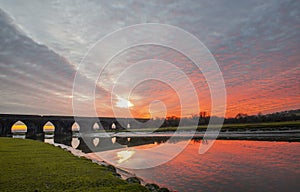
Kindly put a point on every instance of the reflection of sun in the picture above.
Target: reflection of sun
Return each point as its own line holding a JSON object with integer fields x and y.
{"x": 124, "y": 155}
{"x": 123, "y": 103}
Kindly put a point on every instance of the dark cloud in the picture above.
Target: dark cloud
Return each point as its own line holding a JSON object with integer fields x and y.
{"x": 34, "y": 79}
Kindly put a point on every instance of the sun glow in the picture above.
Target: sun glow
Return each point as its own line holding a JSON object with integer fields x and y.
{"x": 48, "y": 127}
{"x": 19, "y": 127}
{"x": 123, "y": 103}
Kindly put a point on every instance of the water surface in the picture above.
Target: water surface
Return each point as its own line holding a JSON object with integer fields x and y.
{"x": 228, "y": 166}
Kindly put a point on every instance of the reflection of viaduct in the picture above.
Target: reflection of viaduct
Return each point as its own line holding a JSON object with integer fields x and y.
{"x": 63, "y": 124}
{"x": 88, "y": 144}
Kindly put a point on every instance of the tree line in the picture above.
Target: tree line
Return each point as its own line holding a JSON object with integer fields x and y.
{"x": 203, "y": 118}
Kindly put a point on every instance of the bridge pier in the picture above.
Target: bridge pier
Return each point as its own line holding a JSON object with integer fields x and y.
{"x": 63, "y": 127}
{"x": 86, "y": 126}
{"x": 1, "y": 128}
{"x": 6, "y": 125}
{"x": 105, "y": 125}
{"x": 120, "y": 125}
{"x": 34, "y": 128}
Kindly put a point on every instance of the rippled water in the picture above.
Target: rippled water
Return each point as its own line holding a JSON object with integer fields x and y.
{"x": 227, "y": 166}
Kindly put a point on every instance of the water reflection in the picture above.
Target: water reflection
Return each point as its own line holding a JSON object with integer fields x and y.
{"x": 20, "y": 136}
{"x": 230, "y": 165}
{"x": 124, "y": 155}
{"x": 98, "y": 143}
{"x": 75, "y": 142}
{"x": 113, "y": 140}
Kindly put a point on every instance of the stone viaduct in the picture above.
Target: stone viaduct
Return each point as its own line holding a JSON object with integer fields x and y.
{"x": 63, "y": 124}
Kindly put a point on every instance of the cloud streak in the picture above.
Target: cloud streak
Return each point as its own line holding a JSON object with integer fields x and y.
{"x": 255, "y": 43}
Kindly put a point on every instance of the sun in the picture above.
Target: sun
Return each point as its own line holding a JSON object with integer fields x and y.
{"x": 123, "y": 103}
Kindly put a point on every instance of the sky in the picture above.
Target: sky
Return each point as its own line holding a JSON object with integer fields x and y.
{"x": 256, "y": 45}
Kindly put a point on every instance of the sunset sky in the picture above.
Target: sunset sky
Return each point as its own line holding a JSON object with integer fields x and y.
{"x": 255, "y": 43}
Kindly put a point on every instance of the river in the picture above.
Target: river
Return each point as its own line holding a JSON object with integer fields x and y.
{"x": 229, "y": 165}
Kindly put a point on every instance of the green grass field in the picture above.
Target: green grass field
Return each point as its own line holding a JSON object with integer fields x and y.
{"x": 27, "y": 165}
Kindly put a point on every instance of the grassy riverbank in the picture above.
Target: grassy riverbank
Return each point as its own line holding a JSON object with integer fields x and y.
{"x": 27, "y": 165}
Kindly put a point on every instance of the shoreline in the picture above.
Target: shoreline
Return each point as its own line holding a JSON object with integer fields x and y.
{"x": 121, "y": 173}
